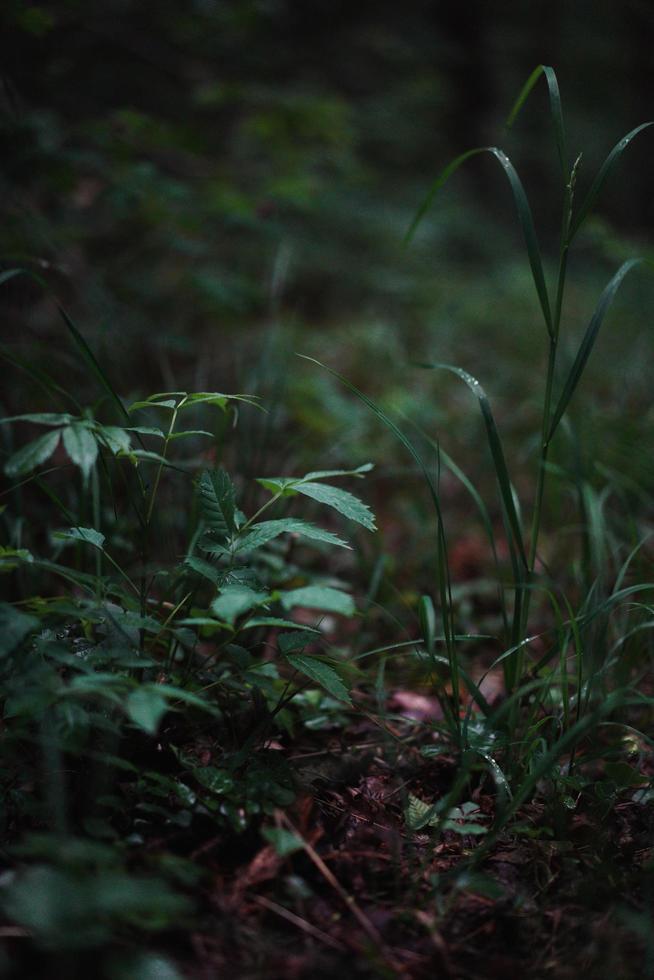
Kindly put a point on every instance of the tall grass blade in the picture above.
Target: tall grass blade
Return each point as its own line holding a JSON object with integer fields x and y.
{"x": 555, "y": 109}
{"x": 604, "y": 173}
{"x": 444, "y": 582}
{"x": 524, "y": 216}
{"x": 90, "y": 359}
{"x": 588, "y": 343}
{"x": 497, "y": 453}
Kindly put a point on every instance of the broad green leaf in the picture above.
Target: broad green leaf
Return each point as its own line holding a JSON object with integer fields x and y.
{"x": 217, "y": 781}
{"x": 321, "y": 673}
{"x": 217, "y": 502}
{"x": 205, "y": 569}
{"x": 319, "y": 597}
{"x": 341, "y": 500}
{"x": 266, "y": 531}
{"x": 146, "y": 706}
{"x": 234, "y": 600}
{"x": 588, "y": 342}
{"x": 81, "y": 447}
{"x": 116, "y": 439}
{"x": 87, "y": 535}
{"x": 33, "y": 455}
{"x": 14, "y": 627}
{"x": 524, "y": 216}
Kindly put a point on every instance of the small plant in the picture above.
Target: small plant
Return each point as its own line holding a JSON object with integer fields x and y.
{"x": 555, "y": 699}
{"x": 140, "y": 696}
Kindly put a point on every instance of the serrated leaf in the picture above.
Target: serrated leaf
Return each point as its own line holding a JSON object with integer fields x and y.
{"x": 81, "y": 447}
{"x": 87, "y": 535}
{"x": 418, "y": 814}
{"x": 319, "y": 597}
{"x": 146, "y": 706}
{"x": 217, "y": 502}
{"x": 234, "y": 600}
{"x": 14, "y": 627}
{"x": 321, "y": 673}
{"x": 290, "y": 642}
{"x": 33, "y": 455}
{"x": 205, "y": 569}
{"x": 340, "y": 500}
{"x": 266, "y": 531}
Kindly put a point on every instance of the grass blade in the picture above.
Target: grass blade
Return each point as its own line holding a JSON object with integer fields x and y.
{"x": 90, "y": 359}
{"x": 588, "y": 342}
{"x": 555, "y": 109}
{"x": 524, "y": 216}
{"x": 497, "y": 453}
{"x": 604, "y": 173}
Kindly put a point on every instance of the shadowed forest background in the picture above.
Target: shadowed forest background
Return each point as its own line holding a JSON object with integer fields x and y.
{"x": 208, "y": 189}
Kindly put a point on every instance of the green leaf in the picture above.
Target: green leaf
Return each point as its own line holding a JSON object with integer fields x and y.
{"x": 604, "y": 173}
{"x": 14, "y": 627}
{"x": 33, "y": 455}
{"x": 146, "y": 706}
{"x": 234, "y": 600}
{"x": 326, "y": 474}
{"x": 189, "y": 432}
{"x": 418, "y": 814}
{"x": 218, "y": 399}
{"x": 588, "y": 342}
{"x": 319, "y": 597}
{"x": 555, "y": 110}
{"x": 81, "y": 447}
{"x": 90, "y": 359}
{"x": 321, "y": 673}
{"x": 204, "y": 568}
{"x": 497, "y": 453}
{"x": 266, "y": 531}
{"x": 115, "y": 438}
{"x": 41, "y": 418}
{"x": 340, "y": 500}
{"x": 217, "y": 781}
{"x": 285, "y": 842}
{"x": 87, "y": 535}
{"x": 217, "y": 502}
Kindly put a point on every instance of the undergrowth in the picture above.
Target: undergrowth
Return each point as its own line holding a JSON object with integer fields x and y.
{"x": 169, "y": 632}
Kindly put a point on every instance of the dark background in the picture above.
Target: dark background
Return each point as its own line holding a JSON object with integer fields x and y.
{"x": 185, "y": 174}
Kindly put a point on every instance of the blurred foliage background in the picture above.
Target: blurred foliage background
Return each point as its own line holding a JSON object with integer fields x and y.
{"x": 211, "y": 186}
